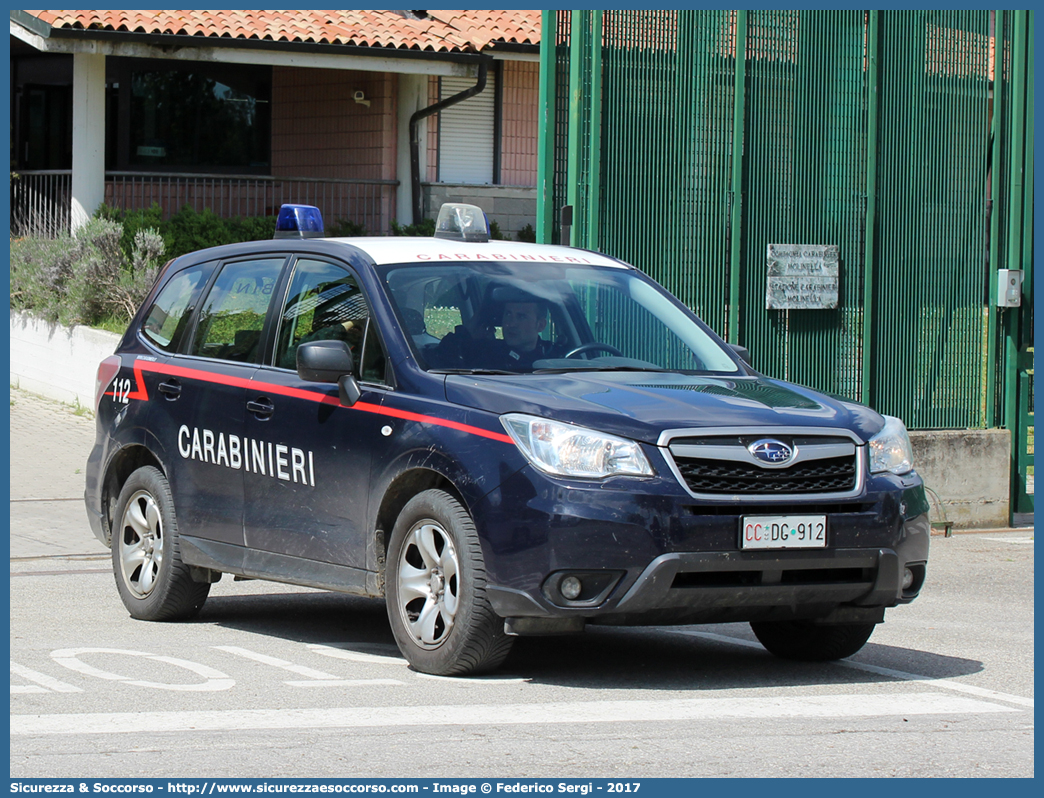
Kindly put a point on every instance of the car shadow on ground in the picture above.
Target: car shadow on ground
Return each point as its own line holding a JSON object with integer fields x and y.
{"x": 603, "y": 657}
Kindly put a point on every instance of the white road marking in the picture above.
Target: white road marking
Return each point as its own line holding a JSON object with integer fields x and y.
{"x": 44, "y": 683}
{"x": 473, "y": 679}
{"x": 1026, "y": 541}
{"x": 275, "y": 662}
{"x": 358, "y": 656}
{"x": 215, "y": 679}
{"x": 862, "y": 666}
{"x": 348, "y": 683}
{"x": 971, "y": 689}
{"x": 902, "y": 705}
{"x": 315, "y": 678}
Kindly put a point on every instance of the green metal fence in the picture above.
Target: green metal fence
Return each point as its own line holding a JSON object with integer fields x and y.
{"x": 686, "y": 142}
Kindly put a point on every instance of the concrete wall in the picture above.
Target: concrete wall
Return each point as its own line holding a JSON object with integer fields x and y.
{"x": 970, "y": 470}
{"x": 511, "y": 207}
{"x": 57, "y": 362}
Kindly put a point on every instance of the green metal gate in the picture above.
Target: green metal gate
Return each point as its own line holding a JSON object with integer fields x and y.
{"x": 686, "y": 142}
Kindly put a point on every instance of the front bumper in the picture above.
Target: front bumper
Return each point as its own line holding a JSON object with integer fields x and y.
{"x": 660, "y": 557}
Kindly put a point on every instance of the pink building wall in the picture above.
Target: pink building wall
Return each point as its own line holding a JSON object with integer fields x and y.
{"x": 518, "y": 141}
{"x": 319, "y": 131}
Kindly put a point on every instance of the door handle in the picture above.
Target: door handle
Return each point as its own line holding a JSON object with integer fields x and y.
{"x": 170, "y": 389}
{"x": 261, "y": 407}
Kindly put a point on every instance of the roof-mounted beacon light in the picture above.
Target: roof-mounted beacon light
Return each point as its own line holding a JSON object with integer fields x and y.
{"x": 459, "y": 222}
{"x": 299, "y": 221}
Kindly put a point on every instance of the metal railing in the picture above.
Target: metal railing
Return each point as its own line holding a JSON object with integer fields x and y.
{"x": 41, "y": 203}
{"x": 888, "y": 134}
{"x": 40, "y": 200}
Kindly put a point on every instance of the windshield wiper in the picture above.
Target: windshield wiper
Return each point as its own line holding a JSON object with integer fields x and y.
{"x": 581, "y": 367}
{"x": 471, "y": 371}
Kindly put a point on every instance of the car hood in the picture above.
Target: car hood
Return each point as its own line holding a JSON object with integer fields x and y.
{"x": 641, "y": 405}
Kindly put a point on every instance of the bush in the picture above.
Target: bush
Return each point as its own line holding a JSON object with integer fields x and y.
{"x": 187, "y": 230}
{"x": 527, "y": 234}
{"x": 345, "y": 228}
{"x": 85, "y": 277}
{"x": 424, "y": 228}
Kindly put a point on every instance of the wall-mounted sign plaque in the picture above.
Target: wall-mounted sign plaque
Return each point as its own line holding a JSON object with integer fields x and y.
{"x": 802, "y": 277}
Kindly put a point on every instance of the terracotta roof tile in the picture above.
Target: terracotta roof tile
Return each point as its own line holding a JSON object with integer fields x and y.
{"x": 483, "y": 27}
{"x": 441, "y": 31}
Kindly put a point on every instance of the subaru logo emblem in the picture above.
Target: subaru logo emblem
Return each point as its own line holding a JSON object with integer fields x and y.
{"x": 771, "y": 452}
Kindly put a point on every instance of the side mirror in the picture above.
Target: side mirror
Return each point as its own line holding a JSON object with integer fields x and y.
{"x": 329, "y": 361}
{"x": 743, "y": 352}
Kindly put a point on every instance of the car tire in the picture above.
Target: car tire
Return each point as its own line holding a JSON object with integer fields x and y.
{"x": 153, "y": 582}
{"x": 436, "y": 590}
{"x": 811, "y": 642}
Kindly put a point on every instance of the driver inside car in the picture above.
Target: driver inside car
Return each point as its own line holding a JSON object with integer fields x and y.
{"x": 524, "y": 318}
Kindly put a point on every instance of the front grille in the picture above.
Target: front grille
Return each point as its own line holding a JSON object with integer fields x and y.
{"x": 831, "y": 475}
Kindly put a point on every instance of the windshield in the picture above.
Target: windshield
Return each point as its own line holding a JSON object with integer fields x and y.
{"x": 506, "y": 317}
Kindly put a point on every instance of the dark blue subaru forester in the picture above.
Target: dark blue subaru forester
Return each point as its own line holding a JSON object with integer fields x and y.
{"x": 500, "y": 439}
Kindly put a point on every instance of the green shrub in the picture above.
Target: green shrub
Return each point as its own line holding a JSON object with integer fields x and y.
{"x": 494, "y": 232}
{"x": 527, "y": 234}
{"x": 84, "y": 277}
{"x": 424, "y": 228}
{"x": 345, "y": 228}
{"x": 187, "y": 230}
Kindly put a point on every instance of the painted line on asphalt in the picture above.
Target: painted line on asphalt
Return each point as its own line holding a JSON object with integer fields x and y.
{"x": 351, "y": 655}
{"x": 394, "y": 658}
{"x": 275, "y": 662}
{"x": 946, "y": 684}
{"x": 314, "y": 678}
{"x": 348, "y": 683}
{"x": 1023, "y": 541}
{"x": 74, "y": 499}
{"x": 44, "y": 683}
{"x": 572, "y": 713}
{"x": 63, "y": 573}
{"x": 473, "y": 679}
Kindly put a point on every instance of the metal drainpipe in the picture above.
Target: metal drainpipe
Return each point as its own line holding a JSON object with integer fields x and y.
{"x": 415, "y": 140}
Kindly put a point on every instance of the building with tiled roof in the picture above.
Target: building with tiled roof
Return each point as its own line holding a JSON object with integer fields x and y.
{"x": 238, "y": 110}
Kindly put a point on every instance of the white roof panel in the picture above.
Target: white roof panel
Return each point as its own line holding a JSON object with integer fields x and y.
{"x": 396, "y": 249}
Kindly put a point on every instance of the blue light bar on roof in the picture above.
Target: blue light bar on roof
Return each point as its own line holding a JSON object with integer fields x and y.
{"x": 299, "y": 221}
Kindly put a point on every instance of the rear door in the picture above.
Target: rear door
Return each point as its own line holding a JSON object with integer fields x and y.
{"x": 199, "y": 404}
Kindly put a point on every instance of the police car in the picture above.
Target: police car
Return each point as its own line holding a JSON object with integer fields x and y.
{"x": 499, "y": 438}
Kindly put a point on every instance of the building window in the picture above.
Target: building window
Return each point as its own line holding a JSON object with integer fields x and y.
{"x": 198, "y": 117}
{"x": 468, "y": 133}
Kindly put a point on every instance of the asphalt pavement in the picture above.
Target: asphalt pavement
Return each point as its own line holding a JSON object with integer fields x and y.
{"x": 274, "y": 680}
{"x": 50, "y": 443}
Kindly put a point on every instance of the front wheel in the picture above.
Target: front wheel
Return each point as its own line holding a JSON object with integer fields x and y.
{"x": 436, "y": 590}
{"x": 153, "y": 582}
{"x": 811, "y": 642}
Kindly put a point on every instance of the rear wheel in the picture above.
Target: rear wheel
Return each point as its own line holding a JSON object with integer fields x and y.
{"x": 436, "y": 590}
{"x": 811, "y": 642}
{"x": 153, "y": 582}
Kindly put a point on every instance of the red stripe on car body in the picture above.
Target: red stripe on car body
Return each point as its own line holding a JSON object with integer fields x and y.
{"x": 297, "y": 393}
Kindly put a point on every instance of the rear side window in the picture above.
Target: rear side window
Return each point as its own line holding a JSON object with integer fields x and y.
{"x": 168, "y": 317}
{"x": 233, "y": 314}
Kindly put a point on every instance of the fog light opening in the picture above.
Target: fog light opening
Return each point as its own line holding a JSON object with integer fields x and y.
{"x": 571, "y": 587}
{"x": 908, "y": 579}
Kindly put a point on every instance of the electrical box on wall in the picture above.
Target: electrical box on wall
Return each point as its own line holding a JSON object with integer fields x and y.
{"x": 1009, "y": 288}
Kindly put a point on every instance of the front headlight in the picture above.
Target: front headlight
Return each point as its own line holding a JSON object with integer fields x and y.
{"x": 890, "y": 448}
{"x": 566, "y": 450}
